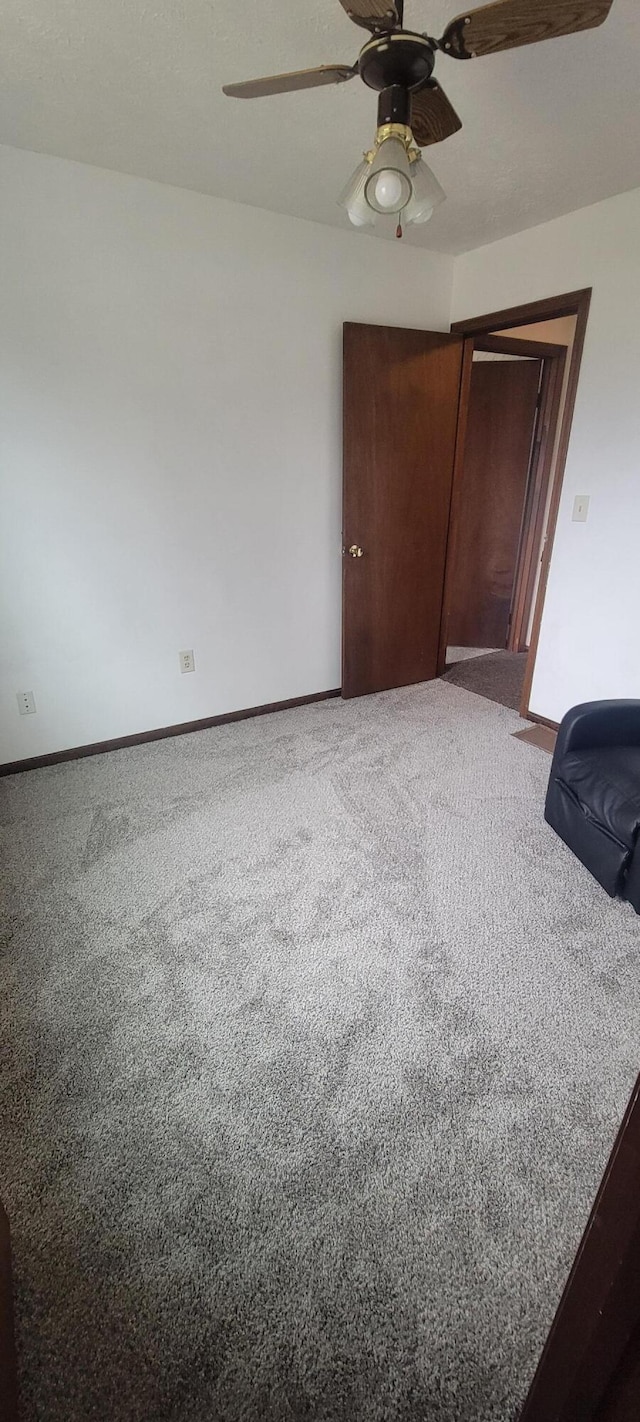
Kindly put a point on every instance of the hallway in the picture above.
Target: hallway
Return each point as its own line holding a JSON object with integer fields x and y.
{"x": 496, "y": 675}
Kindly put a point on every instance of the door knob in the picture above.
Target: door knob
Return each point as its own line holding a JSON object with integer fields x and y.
{"x": 354, "y": 551}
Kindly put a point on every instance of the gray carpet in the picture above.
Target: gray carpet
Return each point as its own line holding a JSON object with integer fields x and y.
{"x": 498, "y": 676}
{"x": 316, "y": 1040}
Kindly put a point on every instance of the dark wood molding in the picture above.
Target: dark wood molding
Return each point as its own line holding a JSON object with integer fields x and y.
{"x": 455, "y": 504}
{"x": 582, "y": 314}
{"x": 588, "y": 1371}
{"x": 543, "y": 721}
{"x": 512, "y": 345}
{"x": 571, "y": 303}
{"x": 37, "y": 762}
{"x": 540, "y": 470}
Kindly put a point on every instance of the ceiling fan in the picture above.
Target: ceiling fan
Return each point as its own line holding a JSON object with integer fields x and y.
{"x": 413, "y": 111}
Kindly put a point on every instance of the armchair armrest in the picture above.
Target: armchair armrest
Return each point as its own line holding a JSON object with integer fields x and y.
{"x": 599, "y": 723}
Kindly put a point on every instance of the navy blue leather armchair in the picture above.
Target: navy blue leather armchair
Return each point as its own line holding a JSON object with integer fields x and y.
{"x": 593, "y": 799}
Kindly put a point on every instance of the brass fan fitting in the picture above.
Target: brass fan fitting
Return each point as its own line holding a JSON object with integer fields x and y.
{"x": 394, "y": 130}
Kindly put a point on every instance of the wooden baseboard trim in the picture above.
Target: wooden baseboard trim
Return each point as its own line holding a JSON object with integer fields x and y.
{"x": 542, "y": 721}
{"x": 38, "y": 762}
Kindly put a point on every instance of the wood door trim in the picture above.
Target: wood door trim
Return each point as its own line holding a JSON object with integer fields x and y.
{"x": 573, "y": 303}
{"x": 561, "y": 461}
{"x": 599, "y": 1313}
{"x": 456, "y": 500}
{"x": 536, "y": 500}
{"x": 512, "y": 345}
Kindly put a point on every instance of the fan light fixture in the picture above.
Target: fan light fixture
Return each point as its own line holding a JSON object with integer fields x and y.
{"x": 413, "y": 110}
{"x": 392, "y": 181}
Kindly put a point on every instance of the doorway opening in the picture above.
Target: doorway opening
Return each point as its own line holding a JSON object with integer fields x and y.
{"x": 518, "y": 386}
{"x": 521, "y": 378}
{"x": 454, "y": 453}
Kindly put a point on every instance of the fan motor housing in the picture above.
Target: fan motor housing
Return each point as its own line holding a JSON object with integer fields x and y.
{"x": 404, "y": 58}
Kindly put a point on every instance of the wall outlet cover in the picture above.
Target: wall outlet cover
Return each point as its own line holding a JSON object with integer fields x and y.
{"x": 26, "y": 703}
{"x": 187, "y": 662}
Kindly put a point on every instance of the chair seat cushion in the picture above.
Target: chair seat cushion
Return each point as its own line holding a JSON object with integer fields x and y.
{"x": 606, "y": 784}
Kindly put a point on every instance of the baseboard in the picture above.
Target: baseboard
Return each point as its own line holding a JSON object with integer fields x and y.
{"x": 541, "y": 721}
{"x": 38, "y": 762}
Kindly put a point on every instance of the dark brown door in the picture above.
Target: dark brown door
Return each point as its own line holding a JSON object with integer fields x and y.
{"x": 495, "y": 469}
{"x": 401, "y": 392}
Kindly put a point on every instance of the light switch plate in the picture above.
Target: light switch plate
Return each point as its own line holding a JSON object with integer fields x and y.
{"x": 580, "y": 508}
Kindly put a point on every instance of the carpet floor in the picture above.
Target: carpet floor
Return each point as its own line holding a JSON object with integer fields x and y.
{"x": 316, "y": 1040}
{"x": 498, "y": 676}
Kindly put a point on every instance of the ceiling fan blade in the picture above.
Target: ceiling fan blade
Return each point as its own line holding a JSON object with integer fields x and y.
{"x": 506, "y": 24}
{"x": 432, "y": 116}
{"x": 286, "y": 83}
{"x": 374, "y": 14}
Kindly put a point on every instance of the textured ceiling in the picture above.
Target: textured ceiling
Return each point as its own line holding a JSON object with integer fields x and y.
{"x": 135, "y": 87}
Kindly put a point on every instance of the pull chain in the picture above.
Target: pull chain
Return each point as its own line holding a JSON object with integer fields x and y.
{"x": 399, "y": 230}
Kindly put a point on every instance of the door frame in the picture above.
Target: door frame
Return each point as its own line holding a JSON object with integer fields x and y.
{"x": 572, "y": 303}
{"x": 553, "y": 359}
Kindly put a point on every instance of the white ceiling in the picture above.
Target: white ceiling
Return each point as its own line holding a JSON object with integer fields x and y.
{"x": 136, "y": 86}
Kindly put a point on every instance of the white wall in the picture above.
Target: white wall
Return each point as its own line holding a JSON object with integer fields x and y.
{"x": 171, "y": 446}
{"x": 590, "y": 643}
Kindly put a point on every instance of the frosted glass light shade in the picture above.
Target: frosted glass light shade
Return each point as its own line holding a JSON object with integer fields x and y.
{"x": 352, "y": 197}
{"x": 427, "y": 193}
{"x": 388, "y": 186}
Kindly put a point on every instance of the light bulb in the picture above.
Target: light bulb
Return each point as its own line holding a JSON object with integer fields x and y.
{"x": 388, "y": 190}
{"x": 388, "y": 187}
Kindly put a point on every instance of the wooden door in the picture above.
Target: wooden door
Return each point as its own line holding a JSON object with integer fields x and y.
{"x": 401, "y": 393}
{"x": 490, "y": 500}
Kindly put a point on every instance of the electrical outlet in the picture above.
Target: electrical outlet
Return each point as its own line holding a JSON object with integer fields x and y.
{"x": 580, "y": 508}
{"x": 187, "y": 662}
{"x": 26, "y": 703}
